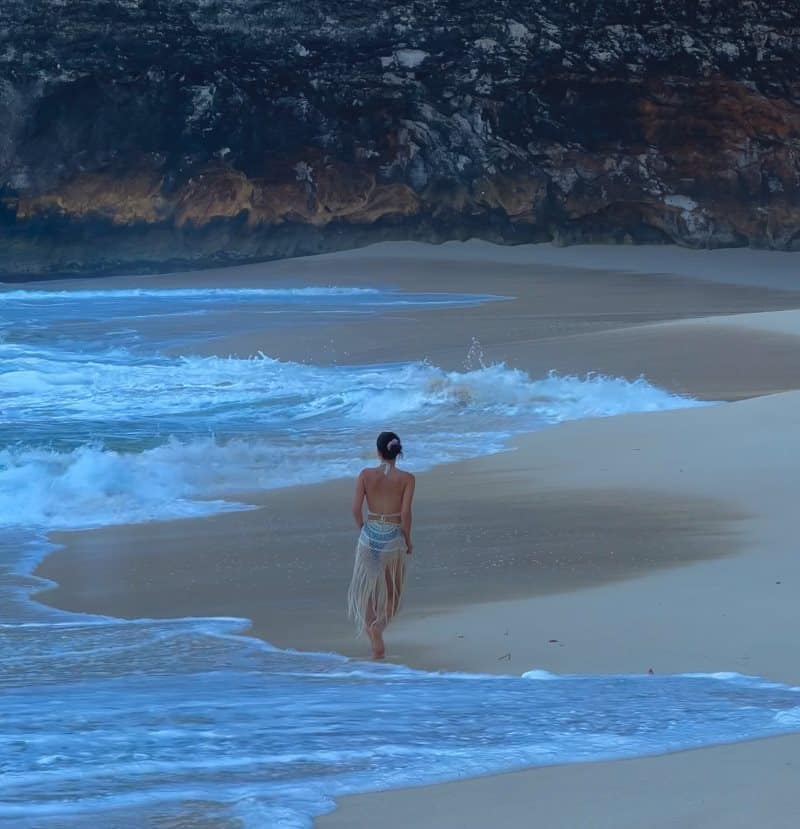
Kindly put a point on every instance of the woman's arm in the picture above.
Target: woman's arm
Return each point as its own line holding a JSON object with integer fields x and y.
{"x": 358, "y": 501}
{"x": 405, "y": 512}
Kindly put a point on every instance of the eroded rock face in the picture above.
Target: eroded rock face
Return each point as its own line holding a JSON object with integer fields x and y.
{"x": 149, "y": 134}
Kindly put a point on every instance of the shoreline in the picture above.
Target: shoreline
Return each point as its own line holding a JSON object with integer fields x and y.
{"x": 665, "y": 482}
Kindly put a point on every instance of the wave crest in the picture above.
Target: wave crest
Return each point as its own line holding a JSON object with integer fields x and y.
{"x": 158, "y": 437}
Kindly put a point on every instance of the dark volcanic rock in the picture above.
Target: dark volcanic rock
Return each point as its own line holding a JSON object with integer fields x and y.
{"x": 149, "y": 134}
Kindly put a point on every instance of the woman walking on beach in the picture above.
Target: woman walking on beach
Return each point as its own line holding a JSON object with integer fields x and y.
{"x": 383, "y": 543}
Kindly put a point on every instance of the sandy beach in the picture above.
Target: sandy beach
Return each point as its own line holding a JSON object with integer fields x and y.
{"x": 661, "y": 541}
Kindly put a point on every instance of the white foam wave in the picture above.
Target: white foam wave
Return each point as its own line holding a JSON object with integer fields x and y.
{"x": 258, "y": 416}
{"x": 188, "y": 293}
{"x": 90, "y": 485}
{"x": 279, "y": 406}
{"x": 73, "y": 386}
{"x": 790, "y": 718}
{"x": 540, "y": 675}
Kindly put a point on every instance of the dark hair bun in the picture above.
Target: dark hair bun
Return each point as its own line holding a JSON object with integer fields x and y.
{"x": 389, "y": 445}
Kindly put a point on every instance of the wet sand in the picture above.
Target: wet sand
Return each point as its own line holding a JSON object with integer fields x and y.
{"x": 661, "y": 541}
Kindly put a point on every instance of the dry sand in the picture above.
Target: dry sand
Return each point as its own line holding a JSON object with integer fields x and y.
{"x": 663, "y": 541}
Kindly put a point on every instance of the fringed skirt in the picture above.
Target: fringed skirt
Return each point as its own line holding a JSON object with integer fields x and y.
{"x": 378, "y": 575}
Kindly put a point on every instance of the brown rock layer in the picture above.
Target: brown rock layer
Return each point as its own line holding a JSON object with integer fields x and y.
{"x": 192, "y": 132}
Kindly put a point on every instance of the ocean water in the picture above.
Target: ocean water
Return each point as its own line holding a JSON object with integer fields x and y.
{"x": 100, "y": 424}
{"x": 189, "y": 723}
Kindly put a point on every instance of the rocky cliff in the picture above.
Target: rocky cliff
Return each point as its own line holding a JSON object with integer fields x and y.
{"x": 147, "y": 134}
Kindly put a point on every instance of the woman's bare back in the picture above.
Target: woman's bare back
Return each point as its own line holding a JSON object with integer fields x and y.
{"x": 384, "y": 490}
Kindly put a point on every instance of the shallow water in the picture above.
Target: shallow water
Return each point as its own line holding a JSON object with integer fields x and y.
{"x": 188, "y": 723}
{"x": 143, "y": 718}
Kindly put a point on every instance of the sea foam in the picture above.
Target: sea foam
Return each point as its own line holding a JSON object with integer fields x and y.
{"x": 170, "y": 294}
{"x": 147, "y": 724}
{"x": 119, "y": 438}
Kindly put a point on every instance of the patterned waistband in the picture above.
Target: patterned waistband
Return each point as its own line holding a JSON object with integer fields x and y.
{"x": 384, "y": 526}
{"x": 375, "y": 518}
